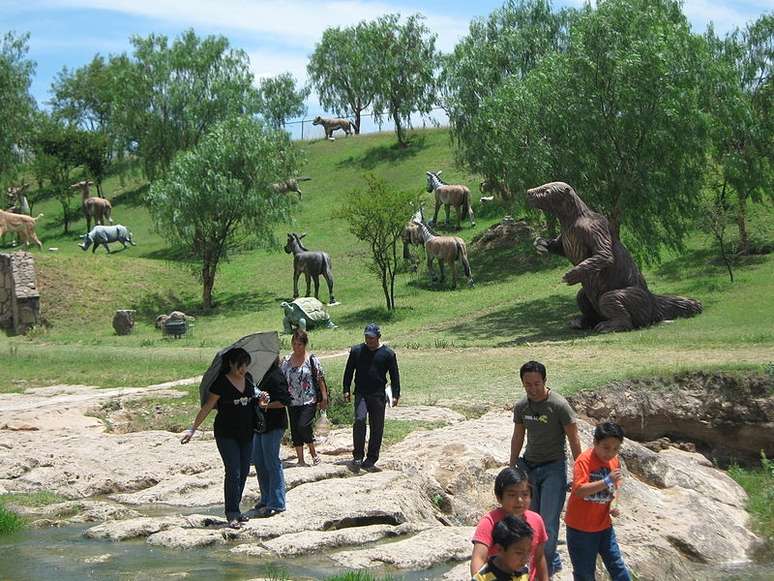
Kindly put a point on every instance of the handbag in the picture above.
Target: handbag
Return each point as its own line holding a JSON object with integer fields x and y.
{"x": 260, "y": 415}
{"x": 313, "y": 363}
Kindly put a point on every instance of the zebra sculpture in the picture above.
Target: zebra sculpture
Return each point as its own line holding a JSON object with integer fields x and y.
{"x": 450, "y": 195}
{"x": 312, "y": 264}
{"x": 447, "y": 249}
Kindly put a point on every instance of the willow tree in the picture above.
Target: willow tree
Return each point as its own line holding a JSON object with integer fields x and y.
{"x": 217, "y": 199}
{"x": 279, "y": 99}
{"x": 16, "y": 103}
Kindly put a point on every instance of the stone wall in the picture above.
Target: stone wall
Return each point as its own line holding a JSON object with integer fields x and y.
{"x": 19, "y": 296}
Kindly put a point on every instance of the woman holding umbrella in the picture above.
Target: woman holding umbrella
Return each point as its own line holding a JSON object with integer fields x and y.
{"x": 233, "y": 393}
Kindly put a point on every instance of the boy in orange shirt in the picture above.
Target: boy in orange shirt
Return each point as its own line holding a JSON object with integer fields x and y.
{"x": 596, "y": 476}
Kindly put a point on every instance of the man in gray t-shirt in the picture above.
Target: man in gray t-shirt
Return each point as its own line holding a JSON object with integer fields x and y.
{"x": 547, "y": 419}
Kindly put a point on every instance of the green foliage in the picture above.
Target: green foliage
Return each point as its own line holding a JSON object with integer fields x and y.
{"x": 16, "y": 72}
{"x": 34, "y": 499}
{"x": 217, "y": 198}
{"x": 758, "y": 483}
{"x": 173, "y": 94}
{"x": 377, "y": 215}
{"x": 341, "y": 70}
{"x": 278, "y": 99}
{"x": 10, "y": 522}
{"x": 403, "y": 68}
{"x": 358, "y": 576}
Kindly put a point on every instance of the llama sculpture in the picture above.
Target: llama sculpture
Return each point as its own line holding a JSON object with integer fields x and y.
{"x": 450, "y": 195}
{"x": 311, "y": 264}
{"x": 97, "y": 209}
{"x": 446, "y": 249}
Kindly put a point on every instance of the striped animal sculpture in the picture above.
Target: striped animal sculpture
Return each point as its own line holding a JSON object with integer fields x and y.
{"x": 450, "y": 195}
{"x": 445, "y": 249}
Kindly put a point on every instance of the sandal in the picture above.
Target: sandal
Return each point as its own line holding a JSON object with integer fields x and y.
{"x": 316, "y": 460}
{"x": 234, "y": 524}
{"x": 243, "y": 518}
{"x": 267, "y": 512}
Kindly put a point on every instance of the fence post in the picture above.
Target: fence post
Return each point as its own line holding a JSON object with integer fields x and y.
{"x": 302, "y": 128}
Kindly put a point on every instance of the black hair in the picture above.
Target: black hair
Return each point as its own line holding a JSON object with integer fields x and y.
{"x": 511, "y": 530}
{"x": 508, "y": 477}
{"x": 236, "y": 356}
{"x": 533, "y": 367}
{"x": 608, "y": 430}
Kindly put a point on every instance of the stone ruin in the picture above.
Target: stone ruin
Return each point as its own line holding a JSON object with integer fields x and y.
{"x": 19, "y": 296}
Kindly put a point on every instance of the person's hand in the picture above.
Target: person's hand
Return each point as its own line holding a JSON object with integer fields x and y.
{"x": 323, "y": 403}
{"x": 395, "y": 401}
{"x": 614, "y": 512}
{"x": 187, "y": 435}
{"x": 616, "y": 476}
{"x": 347, "y": 397}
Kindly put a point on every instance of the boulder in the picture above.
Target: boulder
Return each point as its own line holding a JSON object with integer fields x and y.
{"x": 186, "y": 538}
{"x": 424, "y": 550}
{"x": 123, "y": 321}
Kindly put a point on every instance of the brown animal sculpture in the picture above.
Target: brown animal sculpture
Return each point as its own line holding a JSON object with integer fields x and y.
{"x": 449, "y": 195}
{"x": 289, "y": 185}
{"x": 97, "y": 209}
{"x": 615, "y": 296}
{"x": 330, "y": 125}
{"x": 22, "y": 225}
{"x": 445, "y": 249}
{"x": 411, "y": 236}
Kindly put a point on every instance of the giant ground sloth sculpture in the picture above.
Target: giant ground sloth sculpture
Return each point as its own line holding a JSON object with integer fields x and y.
{"x": 615, "y": 296}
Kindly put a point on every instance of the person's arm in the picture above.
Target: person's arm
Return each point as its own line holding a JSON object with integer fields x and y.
{"x": 394, "y": 379}
{"x": 541, "y": 567}
{"x": 478, "y": 558}
{"x": 517, "y": 442}
{"x": 211, "y": 402}
{"x": 349, "y": 371}
{"x": 571, "y": 430}
{"x": 608, "y": 482}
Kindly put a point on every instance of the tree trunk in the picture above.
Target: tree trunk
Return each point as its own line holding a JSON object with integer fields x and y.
{"x": 208, "y": 281}
{"x": 741, "y": 221}
{"x": 357, "y": 122}
{"x": 399, "y": 130}
{"x": 386, "y": 290}
{"x": 615, "y": 219}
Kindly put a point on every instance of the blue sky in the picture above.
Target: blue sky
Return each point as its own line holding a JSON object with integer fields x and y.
{"x": 278, "y": 35}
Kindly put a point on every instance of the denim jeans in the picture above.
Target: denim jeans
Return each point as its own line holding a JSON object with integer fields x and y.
{"x": 268, "y": 467}
{"x": 583, "y": 549}
{"x": 236, "y": 460}
{"x": 372, "y": 406}
{"x": 549, "y": 488}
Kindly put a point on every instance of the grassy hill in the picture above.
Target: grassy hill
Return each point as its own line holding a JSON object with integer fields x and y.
{"x": 448, "y": 341}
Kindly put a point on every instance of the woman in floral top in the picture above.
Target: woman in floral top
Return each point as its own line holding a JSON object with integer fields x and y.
{"x": 302, "y": 370}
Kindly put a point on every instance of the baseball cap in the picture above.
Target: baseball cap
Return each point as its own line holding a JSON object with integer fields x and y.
{"x": 372, "y": 330}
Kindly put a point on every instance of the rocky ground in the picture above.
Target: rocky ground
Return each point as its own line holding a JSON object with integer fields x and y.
{"x": 677, "y": 510}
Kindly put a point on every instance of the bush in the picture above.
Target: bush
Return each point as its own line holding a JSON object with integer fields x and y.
{"x": 758, "y": 483}
{"x": 10, "y": 522}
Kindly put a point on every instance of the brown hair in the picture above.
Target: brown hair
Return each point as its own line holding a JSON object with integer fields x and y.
{"x": 300, "y": 335}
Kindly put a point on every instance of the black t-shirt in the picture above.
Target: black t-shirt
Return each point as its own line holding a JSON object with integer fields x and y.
{"x": 275, "y": 383}
{"x": 234, "y": 421}
{"x": 370, "y": 369}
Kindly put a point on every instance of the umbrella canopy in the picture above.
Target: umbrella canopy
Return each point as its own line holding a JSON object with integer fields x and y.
{"x": 263, "y": 349}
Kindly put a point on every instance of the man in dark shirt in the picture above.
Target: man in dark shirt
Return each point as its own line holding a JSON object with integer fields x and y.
{"x": 370, "y": 362}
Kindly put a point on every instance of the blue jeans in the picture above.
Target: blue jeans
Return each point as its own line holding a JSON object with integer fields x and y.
{"x": 584, "y": 547}
{"x": 549, "y": 488}
{"x": 268, "y": 467}
{"x": 236, "y": 459}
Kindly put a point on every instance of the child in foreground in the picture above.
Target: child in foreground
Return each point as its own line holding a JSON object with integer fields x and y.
{"x": 513, "y": 493}
{"x": 590, "y": 532}
{"x": 511, "y": 540}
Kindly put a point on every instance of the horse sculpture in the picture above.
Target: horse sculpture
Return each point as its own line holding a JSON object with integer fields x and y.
{"x": 447, "y": 249}
{"x": 98, "y": 209}
{"x": 450, "y": 195}
{"x": 311, "y": 264}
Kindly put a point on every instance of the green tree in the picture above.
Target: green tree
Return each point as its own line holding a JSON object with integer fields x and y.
{"x": 507, "y": 44}
{"x": 173, "y": 94}
{"x": 618, "y": 116}
{"x": 377, "y": 216}
{"x": 16, "y": 103}
{"x": 217, "y": 198}
{"x": 340, "y": 69}
{"x": 278, "y": 99}
{"x": 402, "y": 64}
{"x": 739, "y": 90}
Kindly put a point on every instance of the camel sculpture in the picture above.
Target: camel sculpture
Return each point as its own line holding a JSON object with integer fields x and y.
{"x": 448, "y": 249}
{"x": 23, "y": 226}
{"x": 332, "y": 124}
{"x": 289, "y": 185}
{"x": 450, "y": 195}
{"x": 311, "y": 264}
{"x": 97, "y": 209}
{"x": 614, "y": 295}
{"x": 18, "y": 199}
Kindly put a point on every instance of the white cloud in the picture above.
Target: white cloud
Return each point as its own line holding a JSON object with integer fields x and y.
{"x": 724, "y": 15}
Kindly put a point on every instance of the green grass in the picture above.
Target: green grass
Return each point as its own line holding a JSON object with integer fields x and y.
{"x": 10, "y": 522}
{"x": 759, "y": 485}
{"x": 32, "y": 499}
{"x": 463, "y": 345}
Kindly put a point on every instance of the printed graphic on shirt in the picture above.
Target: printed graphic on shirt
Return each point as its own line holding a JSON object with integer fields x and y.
{"x": 542, "y": 418}
{"x": 603, "y": 496}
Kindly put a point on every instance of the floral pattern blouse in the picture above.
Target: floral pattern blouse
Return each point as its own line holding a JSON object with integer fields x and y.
{"x": 300, "y": 384}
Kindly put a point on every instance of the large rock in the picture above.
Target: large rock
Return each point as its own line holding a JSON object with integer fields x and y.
{"x": 422, "y": 551}
{"x": 146, "y": 526}
{"x": 186, "y": 538}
